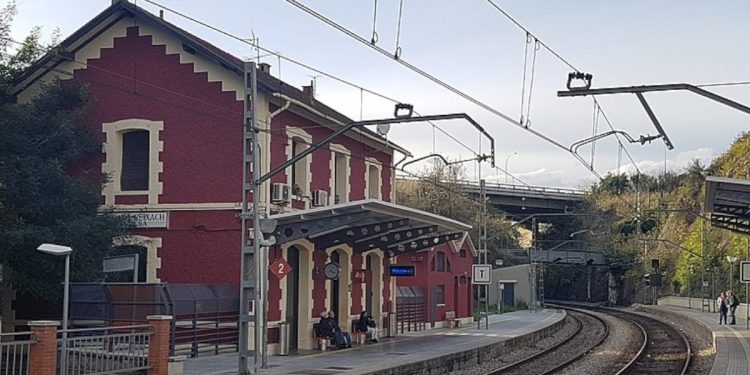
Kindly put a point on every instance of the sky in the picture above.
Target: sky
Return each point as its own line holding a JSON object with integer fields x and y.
{"x": 473, "y": 47}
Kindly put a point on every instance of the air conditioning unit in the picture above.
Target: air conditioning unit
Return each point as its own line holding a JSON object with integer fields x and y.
{"x": 320, "y": 198}
{"x": 279, "y": 193}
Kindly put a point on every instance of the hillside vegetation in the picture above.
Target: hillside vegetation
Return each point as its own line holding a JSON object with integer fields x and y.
{"x": 672, "y": 227}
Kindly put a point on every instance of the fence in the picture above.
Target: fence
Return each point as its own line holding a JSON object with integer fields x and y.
{"x": 205, "y": 317}
{"x": 410, "y": 309}
{"x": 14, "y": 353}
{"x": 109, "y": 350}
{"x": 105, "y": 350}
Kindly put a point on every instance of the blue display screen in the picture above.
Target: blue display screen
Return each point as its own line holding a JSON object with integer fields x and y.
{"x": 398, "y": 270}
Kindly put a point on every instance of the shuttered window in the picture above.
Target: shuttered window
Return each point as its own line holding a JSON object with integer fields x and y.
{"x": 135, "y": 160}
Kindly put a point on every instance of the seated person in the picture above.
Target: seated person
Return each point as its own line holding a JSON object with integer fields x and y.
{"x": 366, "y": 324}
{"x": 325, "y": 329}
{"x": 342, "y": 339}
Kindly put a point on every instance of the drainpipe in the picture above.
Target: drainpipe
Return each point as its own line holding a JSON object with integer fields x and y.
{"x": 264, "y": 252}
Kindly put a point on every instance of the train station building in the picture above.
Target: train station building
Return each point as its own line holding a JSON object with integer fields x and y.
{"x": 168, "y": 108}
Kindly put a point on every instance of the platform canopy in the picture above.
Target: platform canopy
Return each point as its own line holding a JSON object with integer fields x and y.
{"x": 728, "y": 202}
{"x": 369, "y": 224}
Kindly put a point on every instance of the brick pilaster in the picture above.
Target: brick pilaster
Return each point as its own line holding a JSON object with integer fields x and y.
{"x": 158, "y": 346}
{"x": 43, "y": 354}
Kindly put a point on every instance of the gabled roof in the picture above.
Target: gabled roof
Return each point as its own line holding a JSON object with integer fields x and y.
{"x": 121, "y": 9}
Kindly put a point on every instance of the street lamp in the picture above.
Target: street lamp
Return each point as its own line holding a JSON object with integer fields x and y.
{"x": 731, "y": 259}
{"x": 59, "y": 250}
{"x": 506, "y": 165}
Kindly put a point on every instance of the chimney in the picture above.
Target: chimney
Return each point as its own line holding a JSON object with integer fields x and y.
{"x": 309, "y": 91}
{"x": 161, "y": 13}
{"x": 265, "y": 67}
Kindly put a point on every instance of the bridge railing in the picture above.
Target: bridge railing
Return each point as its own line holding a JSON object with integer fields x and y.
{"x": 494, "y": 186}
{"x": 520, "y": 188}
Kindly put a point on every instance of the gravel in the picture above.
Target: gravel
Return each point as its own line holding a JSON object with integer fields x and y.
{"x": 616, "y": 350}
{"x": 699, "y": 336}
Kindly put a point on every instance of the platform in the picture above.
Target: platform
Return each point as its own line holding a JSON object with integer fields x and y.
{"x": 393, "y": 354}
{"x": 732, "y": 342}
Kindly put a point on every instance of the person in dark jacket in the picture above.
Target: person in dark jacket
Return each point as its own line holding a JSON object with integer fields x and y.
{"x": 723, "y": 302}
{"x": 342, "y": 339}
{"x": 325, "y": 328}
{"x": 366, "y": 324}
{"x": 733, "y": 302}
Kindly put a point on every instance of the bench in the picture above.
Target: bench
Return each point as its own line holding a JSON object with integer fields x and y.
{"x": 322, "y": 342}
{"x": 451, "y": 321}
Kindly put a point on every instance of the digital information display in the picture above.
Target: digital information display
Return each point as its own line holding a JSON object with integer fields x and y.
{"x": 403, "y": 270}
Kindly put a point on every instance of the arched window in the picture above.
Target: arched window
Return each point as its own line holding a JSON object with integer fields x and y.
{"x": 462, "y": 253}
{"x": 440, "y": 261}
{"x": 135, "y": 161}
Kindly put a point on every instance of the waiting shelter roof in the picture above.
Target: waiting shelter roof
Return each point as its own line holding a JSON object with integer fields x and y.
{"x": 728, "y": 202}
{"x": 369, "y": 224}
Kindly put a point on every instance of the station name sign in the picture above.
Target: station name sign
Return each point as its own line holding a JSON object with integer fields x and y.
{"x": 403, "y": 270}
{"x": 146, "y": 219}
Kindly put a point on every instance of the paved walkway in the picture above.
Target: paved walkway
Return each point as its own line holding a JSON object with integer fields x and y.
{"x": 388, "y": 353}
{"x": 732, "y": 342}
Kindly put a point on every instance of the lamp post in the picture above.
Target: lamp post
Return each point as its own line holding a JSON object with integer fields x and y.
{"x": 731, "y": 259}
{"x": 59, "y": 250}
{"x": 506, "y": 165}
{"x": 690, "y": 284}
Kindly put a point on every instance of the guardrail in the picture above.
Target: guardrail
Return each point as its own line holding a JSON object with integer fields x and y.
{"x": 496, "y": 186}
{"x": 14, "y": 352}
{"x": 107, "y": 350}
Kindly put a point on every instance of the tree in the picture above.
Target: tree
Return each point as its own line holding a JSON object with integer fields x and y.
{"x": 439, "y": 190}
{"x": 41, "y": 200}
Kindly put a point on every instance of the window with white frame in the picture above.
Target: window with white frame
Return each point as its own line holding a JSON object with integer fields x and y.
{"x": 132, "y": 159}
{"x": 340, "y": 173}
{"x": 372, "y": 178}
{"x": 298, "y": 176}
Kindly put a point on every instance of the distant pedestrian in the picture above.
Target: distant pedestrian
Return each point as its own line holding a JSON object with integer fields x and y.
{"x": 723, "y": 307}
{"x": 733, "y": 302}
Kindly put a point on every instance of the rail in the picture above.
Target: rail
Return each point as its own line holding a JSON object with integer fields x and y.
{"x": 106, "y": 350}
{"x": 14, "y": 352}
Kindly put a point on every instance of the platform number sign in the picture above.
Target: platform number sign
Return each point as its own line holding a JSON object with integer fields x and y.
{"x": 280, "y": 268}
{"x": 745, "y": 272}
{"x": 481, "y": 274}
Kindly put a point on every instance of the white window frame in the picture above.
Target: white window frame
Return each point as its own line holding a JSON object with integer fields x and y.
{"x": 339, "y": 149}
{"x": 379, "y": 166}
{"x": 294, "y": 132}
{"x": 112, "y": 166}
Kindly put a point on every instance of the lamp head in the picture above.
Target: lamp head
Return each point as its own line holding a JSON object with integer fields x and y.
{"x": 53, "y": 249}
{"x": 731, "y": 259}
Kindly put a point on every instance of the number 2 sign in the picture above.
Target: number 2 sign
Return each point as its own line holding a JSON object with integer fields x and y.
{"x": 280, "y": 268}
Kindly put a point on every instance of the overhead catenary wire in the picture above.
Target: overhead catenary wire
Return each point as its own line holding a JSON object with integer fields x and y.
{"x": 397, "y": 53}
{"x": 296, "y": 62}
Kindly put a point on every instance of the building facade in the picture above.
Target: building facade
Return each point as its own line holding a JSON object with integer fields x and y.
{"x": 168, "y": 108}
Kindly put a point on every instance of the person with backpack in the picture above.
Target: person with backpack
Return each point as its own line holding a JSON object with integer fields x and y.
{"x": 733, "y": 303}
{"x": 340, "y": 338}
{"x": 722, "y": 301}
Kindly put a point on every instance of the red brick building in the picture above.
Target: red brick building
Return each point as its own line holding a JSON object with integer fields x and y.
{"x": 169, "y": 111}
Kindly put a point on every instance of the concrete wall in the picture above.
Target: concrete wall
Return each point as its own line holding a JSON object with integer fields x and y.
{"x": 519, "y": 274}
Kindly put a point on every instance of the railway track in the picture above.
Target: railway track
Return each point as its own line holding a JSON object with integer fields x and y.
{"x": 590, "y": 332}
{"x": 665, "y": 350}
{"x": 662, "y": 349}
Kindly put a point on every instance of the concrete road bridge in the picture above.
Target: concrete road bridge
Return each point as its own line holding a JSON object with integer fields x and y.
{"x": 523, "y": 200}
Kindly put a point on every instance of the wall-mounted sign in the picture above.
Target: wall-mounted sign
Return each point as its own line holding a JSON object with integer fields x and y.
{"x": 358, "y": 276}
{"x": 418, "y": 258}
{"x": 398, "y": 270}
{"x": 146, "y": 219}
{"x": 280, "y": 268}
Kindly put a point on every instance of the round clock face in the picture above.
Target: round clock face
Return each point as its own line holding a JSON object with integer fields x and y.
{"x": 331, "y": 271}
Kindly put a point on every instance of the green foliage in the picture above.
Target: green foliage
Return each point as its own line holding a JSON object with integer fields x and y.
{"x": 438, "y": 190}
{"x": 40, "y": 201}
